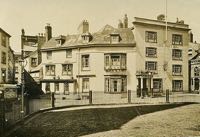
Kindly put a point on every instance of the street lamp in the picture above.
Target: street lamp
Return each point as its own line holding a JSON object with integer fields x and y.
{"x": 21, "y": 62}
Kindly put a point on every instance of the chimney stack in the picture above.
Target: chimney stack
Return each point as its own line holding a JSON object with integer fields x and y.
{"x": 83, "y": 27}
{"x": 48, "y": 32}
{"x": 191, "y": 37}
{"x": 125, "y": 21}
{"x": 120, "y": 24}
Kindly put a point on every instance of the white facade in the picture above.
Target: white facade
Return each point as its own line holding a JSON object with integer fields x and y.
{"x": 96, "y": 72}
{"x": 170, "y": 58}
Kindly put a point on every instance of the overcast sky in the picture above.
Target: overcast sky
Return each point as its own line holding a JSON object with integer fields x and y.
{"x": 65, "y": 15}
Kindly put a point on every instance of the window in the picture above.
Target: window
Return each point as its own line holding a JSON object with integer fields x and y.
{"x": 196, "y": 71}
{"x": 3, "y": 75}
{"x": 56, "y": 87}
{"x": 177, "y": 39}
{"x": 50, "y": 70}
{"x": 115, "y": 84}
{"x": 66, "y": 88}
{"x": 68, "y": 53}
{"x": 85, "y": 85}
{"x": 157, "y": 84}
{"x": 33, "y": 62}
{"x": 115, "y": 38}
{"x": 176, "y": 54}
{"x": 47, "y": 87}
{"x": 177, "y": 85}
{"x": 49, "y": 54}
{"x": 151, "y": 36}
{"x": 85, "y": 62}
{"x": 3, "y": 57}
{"x": 151, "y": 52}
{"x": 3, "y": 40}
{"x": 177, "y": 69}
{"x": 67, "y": 69}
{"x": 150, "y": 65}
{"x": 115, "y": 61}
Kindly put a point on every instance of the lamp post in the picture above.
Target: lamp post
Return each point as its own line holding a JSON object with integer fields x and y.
{"x": 22, "y": 73}
{"x": 2, "y": 112}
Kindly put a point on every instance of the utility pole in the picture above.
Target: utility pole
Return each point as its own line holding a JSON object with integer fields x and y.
{"x": 22, "y": 73}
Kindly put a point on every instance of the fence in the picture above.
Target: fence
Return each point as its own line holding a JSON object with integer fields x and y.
{"x": 100, "y": 97}
{"x": 12, "y": 107}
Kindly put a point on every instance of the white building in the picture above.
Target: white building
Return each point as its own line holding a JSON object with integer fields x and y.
{"x": 161, "y": 64}
{"x": 103, "y": 61}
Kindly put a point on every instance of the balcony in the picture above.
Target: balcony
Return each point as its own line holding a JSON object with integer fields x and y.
{"x": 115, "y": 68}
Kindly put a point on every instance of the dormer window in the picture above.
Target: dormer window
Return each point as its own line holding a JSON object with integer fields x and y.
{"x": 115, "y": 38}
{"x": 87, "y": 37}
{"x": 60, "y": 40}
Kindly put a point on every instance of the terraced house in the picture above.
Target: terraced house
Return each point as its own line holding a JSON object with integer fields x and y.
{"x": 145, "y": 58}
{"x": 7, "y": 59}
{"x": 162, "y": 60}
{"x": 102, "y": 61}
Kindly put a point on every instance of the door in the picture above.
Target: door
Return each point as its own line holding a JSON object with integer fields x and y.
{"x": 196, "y": 84}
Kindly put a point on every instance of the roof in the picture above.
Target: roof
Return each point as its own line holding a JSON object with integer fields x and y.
{"x": 139, "y": 20}
{"x": 100, "y": 37}
{"x": 5, "y": 32}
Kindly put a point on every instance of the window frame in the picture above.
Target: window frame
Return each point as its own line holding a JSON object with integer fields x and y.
{"x": 150, "y": 49}
{"x": 174, "y": 86}
{"x": 109, "y": 84}
{"x": 3, "y": 58}
{"x": 177, "y": 70}
{"x": 68, "y": 71}
{"x": 33, "y": 64}
{"x": 56, "y": 86}
{"x": 52, "y": 73}
{"x": 85, "y": 62}
{"x": 47, "y": 87}
{"x": 85, "y": 86}
{"x": 68, "y": 53}
{"x": 147, "y": 63}
{"x": 151, "y": 36}
{"x": 175, "y": 53}
{"x": 3, "y": 40}
{"x": 110, "y": 64}
{"x": 177, "y": 39}
{"x": 49, "y": 55}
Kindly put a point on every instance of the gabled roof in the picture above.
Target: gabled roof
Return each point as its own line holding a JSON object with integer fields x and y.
{"x": 195, "y": 57}
{"x": 5, "y": 32}
{"x": 100, "y": 37}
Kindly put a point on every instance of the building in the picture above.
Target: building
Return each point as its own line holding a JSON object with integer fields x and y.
{"x": 7, "y": 58}
{"x": 195, "y": 73}
{"x": 103, "y": 61}
{"x": 162, "y": 61}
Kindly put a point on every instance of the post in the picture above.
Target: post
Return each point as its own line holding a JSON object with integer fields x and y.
{"x": 22, "y": 73}
{"x": 52, "y": 99}
{"x": 142, "y": 88}
{"x": 129, "y": 96}
{"x": 167, "y": 96}
{"x": 90, "y": 97}
{"x": 152, "y": 92}
{"x": 2, "y": 113}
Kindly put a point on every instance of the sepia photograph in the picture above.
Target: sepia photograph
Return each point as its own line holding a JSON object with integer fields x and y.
{"x": 99, "y": 68}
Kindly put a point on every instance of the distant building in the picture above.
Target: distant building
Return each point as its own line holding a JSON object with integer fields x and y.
{"x": 195, "y": 73}
{"x": 7, "y": 58}
{"x": 161, "y": 64}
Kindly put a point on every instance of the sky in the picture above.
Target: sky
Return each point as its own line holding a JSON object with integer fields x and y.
{"x": 66, "y": 15}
